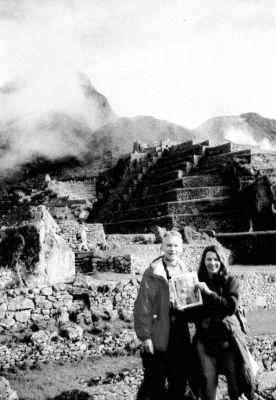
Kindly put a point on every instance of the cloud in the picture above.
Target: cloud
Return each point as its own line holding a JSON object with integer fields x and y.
{"x": 180, "y": 61}
{"x": 244, "y": 137}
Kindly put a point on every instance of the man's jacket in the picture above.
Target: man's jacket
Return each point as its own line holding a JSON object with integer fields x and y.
{"x": 152, "y": 306}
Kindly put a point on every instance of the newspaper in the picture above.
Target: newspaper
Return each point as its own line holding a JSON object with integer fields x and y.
{"x": 183, "y": 291}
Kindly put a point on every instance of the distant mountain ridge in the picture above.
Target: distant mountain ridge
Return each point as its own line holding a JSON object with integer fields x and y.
{"x": 87, "y": 128}
{"x": 123, "y": 132}
{"x": 258, "y": 127}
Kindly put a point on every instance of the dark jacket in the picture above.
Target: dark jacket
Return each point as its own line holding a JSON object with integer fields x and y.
{"x": 216, "y": 319}
{"x": 152, "y": 306}
{"x": 247, "y": 380}
{"x": 221, "y": 303}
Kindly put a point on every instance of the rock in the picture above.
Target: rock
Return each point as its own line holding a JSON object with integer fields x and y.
{"x": 6, "y": 393}
{"x": 267, "y": 381}
{"x": 44, "y": 258}
{"x": 159, "y": 233}
{"x": 46, "y": 291}
{"x": 190, "y": 234}
{"x": 7, "y": 323}
{"x": 71, "y": 331}
{"x": 260, "y": 301}
{"x": 42, "y": 303}
{"x": 22, "y": 316}
{"x": 56, "y": 260}
{"x": 20, "y": 303}
{"x": 39, "y": 337}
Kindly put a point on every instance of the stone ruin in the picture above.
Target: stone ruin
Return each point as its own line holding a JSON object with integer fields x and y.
{"x": 35, "y": 252}
{"x": 216, "y": 189}
{"x": 48, "y": 285}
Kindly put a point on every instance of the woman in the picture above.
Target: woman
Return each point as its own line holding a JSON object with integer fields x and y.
{"x": 219, "y": 342}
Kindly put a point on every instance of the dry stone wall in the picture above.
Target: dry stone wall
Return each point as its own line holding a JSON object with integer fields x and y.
{"x": 22, "y": 308}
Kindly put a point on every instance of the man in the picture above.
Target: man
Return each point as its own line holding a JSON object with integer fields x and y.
{"x": 162, "y": 328}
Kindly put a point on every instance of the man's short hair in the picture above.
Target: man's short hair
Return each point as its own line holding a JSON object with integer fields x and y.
{"x": 172, "y": 233}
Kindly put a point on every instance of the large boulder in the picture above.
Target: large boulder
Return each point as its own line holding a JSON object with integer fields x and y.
{"x": 36, "y": 252}
{"x": 6, "y": 393}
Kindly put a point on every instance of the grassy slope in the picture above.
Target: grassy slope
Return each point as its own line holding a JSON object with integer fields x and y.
{"x": 53, "y": 379}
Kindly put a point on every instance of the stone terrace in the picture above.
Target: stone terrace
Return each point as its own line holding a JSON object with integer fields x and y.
{"x": 188, "y": 184}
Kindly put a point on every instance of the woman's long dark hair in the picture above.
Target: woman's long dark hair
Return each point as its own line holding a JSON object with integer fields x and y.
{"x": 202, "y": 271}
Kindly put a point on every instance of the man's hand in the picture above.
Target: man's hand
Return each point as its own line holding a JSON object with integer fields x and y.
{"x": 147, "y": 346}
{"x": 203, "y": 288}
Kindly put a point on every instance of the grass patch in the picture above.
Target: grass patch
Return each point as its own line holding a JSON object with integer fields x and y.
{"x": 54, "y": 379}
{"x": 262, "y": 322}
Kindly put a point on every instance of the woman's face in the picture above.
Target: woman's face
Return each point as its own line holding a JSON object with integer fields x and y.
{"x": 212, "y": 263}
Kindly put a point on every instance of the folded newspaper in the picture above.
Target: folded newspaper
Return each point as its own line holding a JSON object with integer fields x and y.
{"x": 183, "y": 291}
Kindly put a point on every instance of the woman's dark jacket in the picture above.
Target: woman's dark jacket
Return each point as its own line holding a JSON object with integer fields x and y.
{"x": 216, "y": 324}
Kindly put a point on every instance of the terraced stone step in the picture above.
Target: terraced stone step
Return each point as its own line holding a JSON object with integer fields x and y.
{"x": 179, "y": 195}
{"x": 183, "y": 166}
{"x": 138, "y": 225}
{"x": 177, "y": 148}
{"x": 195, "y": 149}
{"x": 217, "y": 150}
{"x": 250, "y": 247}
{"x": 154, "y": 179}
{"x": 192, "y": 207}
{"x": 206, "y": 171}
{"x": 164, "y": 162}
{"x": 145, "y": 188}
{"x": 245, "y": 155}
{"x": 217, "y": 221}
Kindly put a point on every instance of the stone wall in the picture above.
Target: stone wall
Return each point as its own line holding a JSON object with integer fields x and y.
{"x": 91, "y": 262}
{"x": 50, "y": 306}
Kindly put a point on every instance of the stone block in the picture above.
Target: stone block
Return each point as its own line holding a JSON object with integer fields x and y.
{"x": 10, "y": 314}
{"x": 7, "y": 323}
{"x": 46, "y": 291}
{"x": 20, "y": 303}
{"x": 44, "y": 304}
{"x": 22, "y": 316}
{"x": 3, "y": 307}
{"x": 39, "y": 337}
{"x": 36, "y": 317}
{"x": 71, "y": 331}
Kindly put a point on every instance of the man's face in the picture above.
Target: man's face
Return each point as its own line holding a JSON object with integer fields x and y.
{"x": 172, "y": 247}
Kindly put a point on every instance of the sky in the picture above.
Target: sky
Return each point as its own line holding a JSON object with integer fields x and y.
{"x": 184, "y": 61}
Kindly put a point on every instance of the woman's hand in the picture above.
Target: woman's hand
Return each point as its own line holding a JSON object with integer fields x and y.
{"x": 203, "y": 288}
{"x": 147, "y": 346}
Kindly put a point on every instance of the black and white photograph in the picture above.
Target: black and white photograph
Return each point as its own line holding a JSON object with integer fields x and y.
{"x": 187, "y": 294}
{"x": 137, "y": 200}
